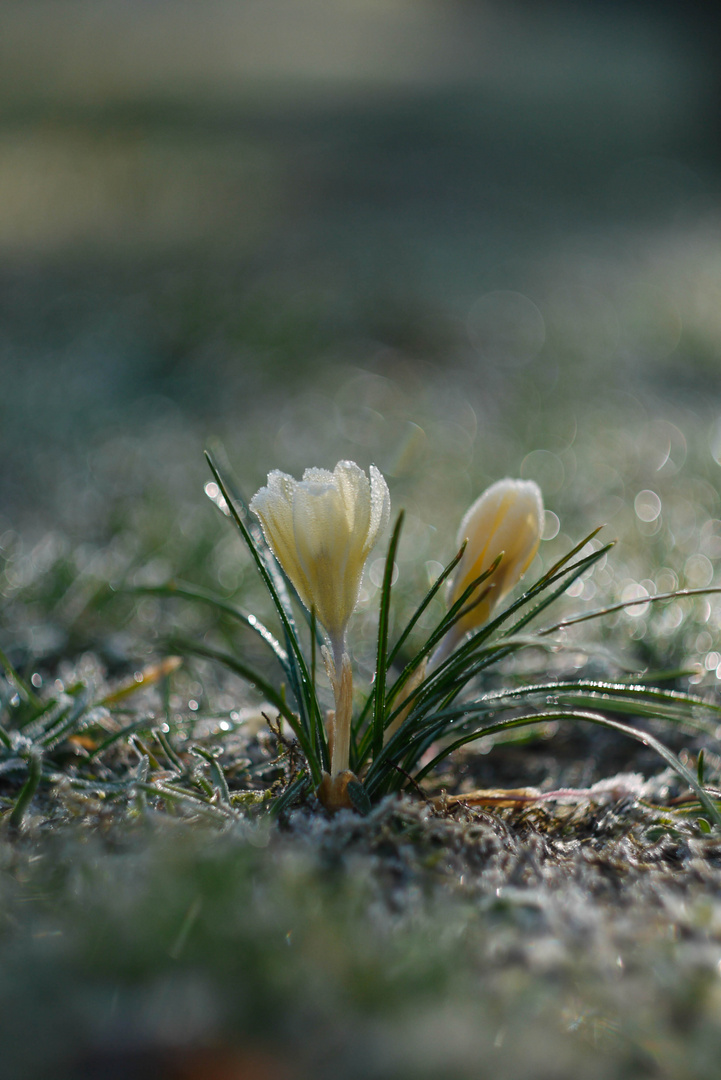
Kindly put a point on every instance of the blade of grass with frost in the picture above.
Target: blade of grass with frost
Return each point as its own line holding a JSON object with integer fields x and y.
{"x": 5, "y": 738}
{"x": 51, "y": 717}
{"x": 305, "y": 697}
{"x": 75, "y": 722}
{"x": 655, "y": 704}
{"x": 629, "y": 708}
{"x": 16, "y": 680}
{"x": 270, "y": 572}
{"x": 560, "y": 571}
{"x": 410, "y": 666}
{"x": 275, "y": 582}
{"x": 634, "y": 702}
{"x": 191, "y": 592}
{"x": 216, "y": 772}
{"x": 379, "y": 686}
{"x": 408, "y": 745}
{"x": 35, "y": 768}
{"x": 457, "y": 611}
{"x": 598, "y": 612}
{"x": 5, "y": 699}
{"x": 560, "y": 563}
{"x": 518, "y": 643}
{"x": 594, "y": 718}
{"x": 275, "y": 571}
{"x": 166, "y": 745}
{"x": 143, "y": 724}
{"x": 295, "y": 790}
{"x": 199, "y": 803}
{"x": 322, "y": 749}
{"x": 679, "y": 697}
{"x": 668, "y": 705}
{"x": 382, "y": 775}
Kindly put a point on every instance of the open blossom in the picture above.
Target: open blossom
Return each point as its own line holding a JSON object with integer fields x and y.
{"x": 322, "y": 529}
{"x": 508, "y": 518}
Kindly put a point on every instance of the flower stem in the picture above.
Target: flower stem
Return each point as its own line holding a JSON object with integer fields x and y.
{"x": 341, "y": 678}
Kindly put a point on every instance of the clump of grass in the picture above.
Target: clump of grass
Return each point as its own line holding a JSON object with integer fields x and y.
{"x": 425, "y": 701}
{"x": 85, "y": 751}
{"x": 415, "y": 714}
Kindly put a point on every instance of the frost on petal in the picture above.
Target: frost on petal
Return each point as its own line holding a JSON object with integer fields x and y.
{"x": 321, "y": 530}
{"x": 380, "y": 507}
{"x": 273, "y": 505}
{"x": 281, "y": 484}
{"x": 316, "y": 476}
{"x": 354, "y": 489}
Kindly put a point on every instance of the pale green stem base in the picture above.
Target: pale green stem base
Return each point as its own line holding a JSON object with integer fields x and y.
{"x": 341, "y": 678}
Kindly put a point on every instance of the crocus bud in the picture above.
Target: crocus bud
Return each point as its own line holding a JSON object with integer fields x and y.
{"x": 508, "y": 518}
{"x": 321, "y": 530}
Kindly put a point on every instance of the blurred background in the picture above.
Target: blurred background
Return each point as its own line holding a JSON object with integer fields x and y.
{"x": 460, "y": 239}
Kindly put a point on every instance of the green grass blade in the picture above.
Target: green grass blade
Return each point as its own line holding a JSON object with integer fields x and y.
{"x": 443, "y": 576}
{"x": 379, "y": 686}
{"x": 452, "y": 616}
{"x": 19, "y": 683}
{"x": 566, "y": 576}
{"x": 643, "y": 737}
{"x": 295, "y": 790}
{"x": 216, "y": 772}
{"x": 145, "y": 723}
{"x": 598, "y": 612}
{"x": 280, "y": 581}
{"x": 72, "y": 722}
{"x": 307, "y": 702}
{"x": 655, "y": 693}
{"x": 35, "y": 769}
{"x": 171, "y": 754}
{"x": 197, "y": 802}
{"x": 457, "y": 611}
{"x": 615, "y": 697}
{"x": 558, "y": 566}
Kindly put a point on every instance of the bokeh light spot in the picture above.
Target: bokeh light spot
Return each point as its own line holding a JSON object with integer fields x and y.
{"x": 647, "y": 505}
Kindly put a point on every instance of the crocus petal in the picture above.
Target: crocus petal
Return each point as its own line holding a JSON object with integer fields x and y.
{"x": 322, "y": 543}
{"x": 273, "y": 505}
{"x": 380, "y": 508}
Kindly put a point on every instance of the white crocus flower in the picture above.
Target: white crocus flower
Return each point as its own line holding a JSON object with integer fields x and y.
{"x": 507, "y": 520}
{"x": 321, "y": 529}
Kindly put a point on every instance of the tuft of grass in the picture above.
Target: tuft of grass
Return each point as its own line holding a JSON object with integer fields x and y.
{"x": 99, "y": 744}
{"x": 106, "y": 744}
{"x": 414, "y": 717}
